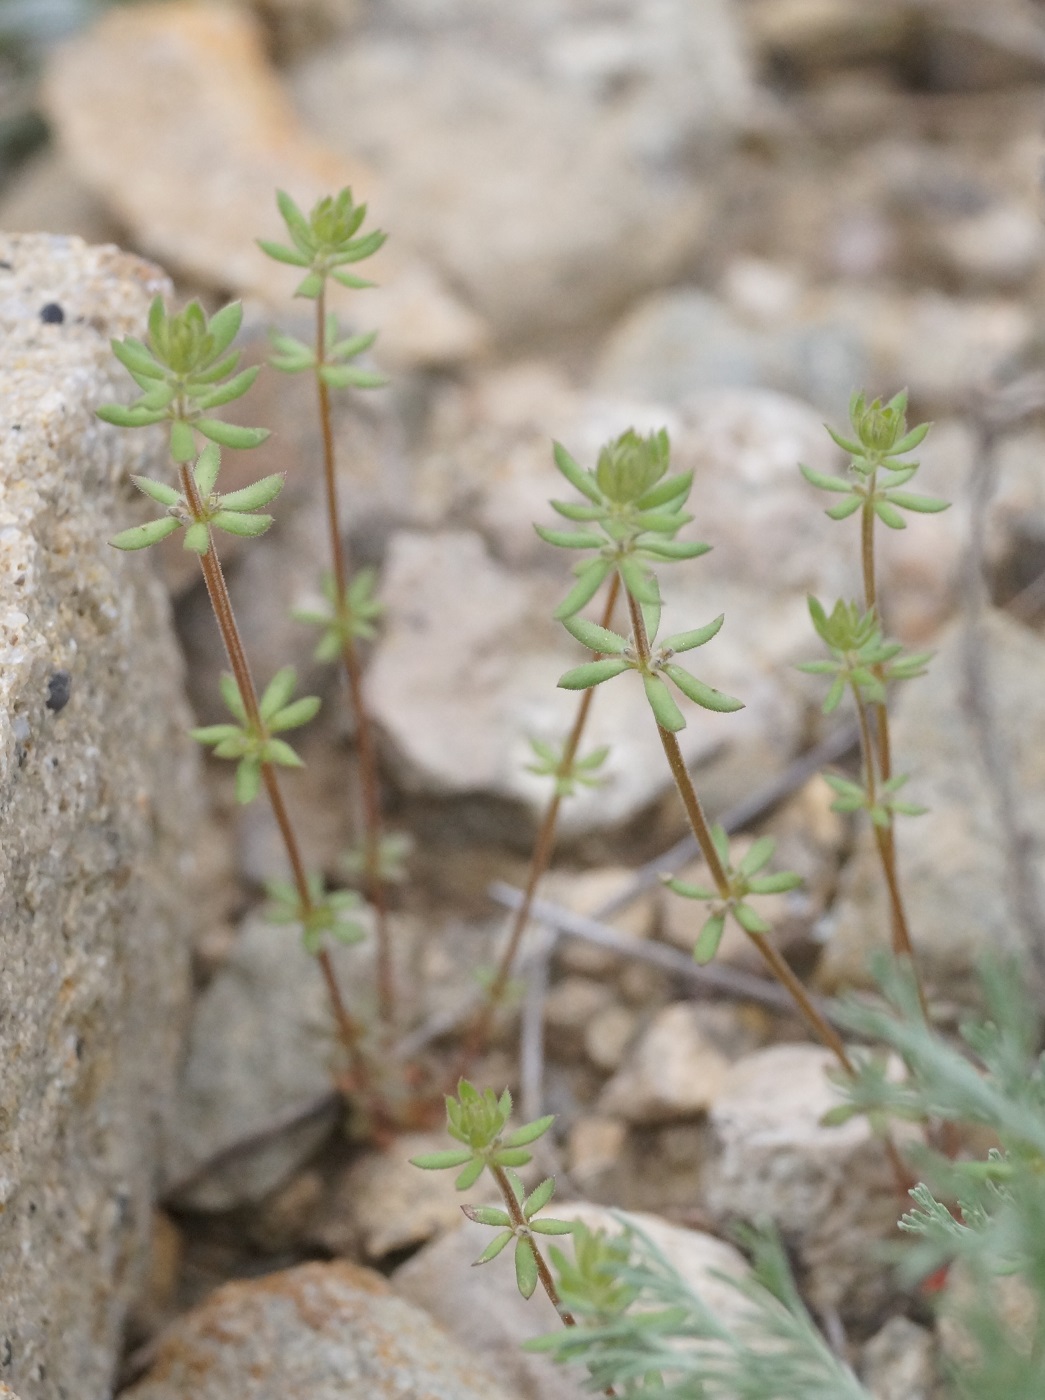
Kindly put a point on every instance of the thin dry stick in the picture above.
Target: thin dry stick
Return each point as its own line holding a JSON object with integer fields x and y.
{"x": 777, "y": 964}
{"x": 542, "y": 852}
{"x": 885, "y": 838}
{"x": 221, "y": 603}
{"x": 519, "y": 1222}
{"x": 367, "y": 748}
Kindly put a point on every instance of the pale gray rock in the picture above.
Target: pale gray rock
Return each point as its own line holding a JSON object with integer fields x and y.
{"x": 328, "y": 1331}
{"x": 897, "y": 1362}
{"x": 829, "y": 1190}
{"x": 953, "y": 860}
{"x": 261, "y": 1045}
{"x": 193, "y": 174}
{"x": 100, "y": 815}
{"x": 551, "y": 160}
{"x": 675, "y": 1071}
{"x": 484, "y": 1311}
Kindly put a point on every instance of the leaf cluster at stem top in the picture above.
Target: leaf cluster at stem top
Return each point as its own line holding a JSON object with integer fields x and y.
{"x": 861, "y": 658}
{"x": 478, "y": 1121}
{"x": 324, "y": 242}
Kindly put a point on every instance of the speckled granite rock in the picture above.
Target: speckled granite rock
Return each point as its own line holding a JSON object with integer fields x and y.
{"x": 98, "y": 812}
{"x": 328, "y": 1331}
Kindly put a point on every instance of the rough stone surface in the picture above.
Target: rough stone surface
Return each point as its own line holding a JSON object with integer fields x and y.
{"x": 829, "y": 1190}
{"x": 602, "y": 123}
{"x": 674, "y": 1072}
{"x": 953, "y": 860}
{"x": 897, "y": 1363}
{"x": 194, "y": 175}
{"x": 326, "y": 1331}
{"x": 261, "y": 1045}
{"x": 484, "y": 1311}
{"x": 99, "y": 810}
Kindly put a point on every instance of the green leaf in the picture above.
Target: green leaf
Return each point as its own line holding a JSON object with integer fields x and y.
{"x": 141, "y": 536}
{"x": 276, "y": 751}
{"x": 704, "y": 695}
{"x": 720, "y": 841}
{"x": 234, "y": 522}
{"x": 233, "y": 699}
{"x": 223, "y": 326}
{"x": 215, "y": 733}
{"x": 709, "y": 938}
{"x": 281, "y": 254}
{"x": 248, "y": 780}
{"x": 665, "y": 711}
{"x": 529, "y": 1132}
{"x": 470, "y": 1175}
{"x": 538, "y": 1197}
{"x": 294, "y": 715}
{"x": 122, "y": 417}
{"x": 590, "y": 634}
{"x": 668, "y": 490}
{"x": 133, "y": 355}
{"x": 230, "y": 434}
{"x": 824, "y": 482}
{"x": 278, "y": 691}
{"x": 589, "y": 580}
{"x": 345, "y": 376}
{"x": 205, "y": 472}
{"x": 183, "y": 441}
{"x": 689, "y": 891}
{"x": 438, "y": 1161}
{"x": 640, "y": 583}
{"x": 910, "y": 500}
{"x": 310, "y": 286}
{"x": 780, "y": 883}
{"x": 748, "y": 920}
{"x": 158, "y": 491}
{"x": 578, "y": 478}
{"x": 911, "y": 441}
{"x": 889, "y": 515}
{"x": 845, "y": 508}
{"x": 487, "y": 1215}
{"x": 235, "y": 388}
{"x": 553, "y": 1227}
{"x": 255, "y": 496}
{"x": 197, "y": 538}
{"x": 674, "y": 549}
{"x": 571, "y": 539}
{"x": 494, "y": 1247}
{"x": 510, "y": 1157}
{"x": 297, "y": 224}
{"x": 846, "y": 444}
{"x": 686, "y": 641}
{"x": 525, "y": 1267}
{"x": 844, "y": 786}
{"x": 346, "y": 279}
{"x": 834, "y": 695}
{"x": 593, "y": 673}
{"x": 759, "y": 855}
{"x": 351, "y": 346}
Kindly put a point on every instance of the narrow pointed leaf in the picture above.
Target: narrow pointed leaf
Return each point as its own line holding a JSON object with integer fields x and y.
{"x": 346, "y": 376}
{"x": 494, "y": 1247}
{"x": 539, "y": 1197}
{"x": 281, "y": 254}
{"x": 823, "y": 481}
{"x": 749, "y": 920}
{"x": 197, "y": 538}
{"x": 248, "y": 781}
{"x": 576, "y": 475}
{"x": 589, "y": 581}
{"x": 667, "y": 490}
{"x": 224, "y": 326}
{"x": 910, "y": 500}
{"x": 674, "y": 549}
{"x": 230, "y": 434}
{"x": 234, "y": 522}
{"x": 158, "y": 491}
{"x": 760, "y": 854}
{"x": 347, "y": 279}
{"x": 255, "y": 496}
{"x": 689, "y": 891}
{"x": 889, "y": 515}
{"x": 236, "y": 387}
{"x": 709, "y": 938}
{"x": 529, "y": 1132}
{"x": 553, "y": 1227}
{"x": 487, "y": 1215}
{"x": 121, "y": 417}
{"x": 594, "y": 673}
{"x": 641, "y": 584}
{"x": 910, "y": 441}
{"x": 525, "y": 1268}
{"x": 310, "y": 286}
{"x": 293, "y": 716}
{"x": 704, "y": 695}
{"x": 845, "y": 508}
{"x": 205, "y": 472}
{"x": 666, "y": 712}
{"x": 686, "y": 641}
{"x": 571, "y": 539}
{"x": 590, "y": 634}
{"x": 278, "y": 691}
{"x": 780, "y": 883}
{"x": 297, "y": 224}
{"x": 141, "y": 536}
{"x": 276, "y": 751}
{"x": 133, "y": 355}
{"x": 230, "y": 694}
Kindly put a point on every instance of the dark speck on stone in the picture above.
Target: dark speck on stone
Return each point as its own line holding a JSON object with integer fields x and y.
{"x": 6, "y": 266}
{"x": 52, "y": 314}
{"x": 59, "y": 688}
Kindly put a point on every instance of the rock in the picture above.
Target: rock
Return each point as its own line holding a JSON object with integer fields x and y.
{"x": 296, "y": 26}
{"x": 383, "y": 1204}
{"x": 829, "y": 1190}
{"x": 953, "y": 861}
{"x": 194, "y": 175}
{"x": 101, "y": 811}
{"x": 551, "y": 161}
{"x": 812, "y": 35}
{"x": 595, "y": 1146}
{"x": 44, "y": 194}
{"x": 897, "y": 1362}
{"x": 261, "y": 1045}
{"x": 569, "y": 1008}
{"x": 482, "y": 1308}
{"x": 608, "y": 1035}
{"x": 674, "y": 1072}
{"x": 329, "y": 1331}
{"x": 587, "y": 892}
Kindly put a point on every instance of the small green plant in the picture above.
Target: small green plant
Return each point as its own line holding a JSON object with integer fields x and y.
{"x": 325, "y": 243}
{"x": 479, "y": 1122}
{"x": 861, "y": 660}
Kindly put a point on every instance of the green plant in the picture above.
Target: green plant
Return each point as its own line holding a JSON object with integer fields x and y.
{"x": 861, "y": 660}
{"x": 325, "y": 243}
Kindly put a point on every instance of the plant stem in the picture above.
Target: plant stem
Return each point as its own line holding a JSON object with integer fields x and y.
{"x": 221, "y": 604}
{"x": 365, "y": 743}
{"x": 885, "y": 837}
{"x": 544, "y": 844}
{"x": 519, "y": 1222}
{"x": 777, "y": 964}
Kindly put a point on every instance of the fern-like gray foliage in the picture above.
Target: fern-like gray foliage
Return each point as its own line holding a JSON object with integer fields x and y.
{"x": 666, "y": 1342}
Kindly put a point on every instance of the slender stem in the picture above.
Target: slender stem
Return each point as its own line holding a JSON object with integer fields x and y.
{"x": 221, "y": 603}
{"x": 365, "y": 742}
{"x": 777, "y": 964}
{"x": 880, "y": 761}
{"x": 520, "y": 1223}
{"x": 544, "y": 844}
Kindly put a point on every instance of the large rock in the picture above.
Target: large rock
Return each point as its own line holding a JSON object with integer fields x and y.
{"x": 829, "y": 1190}
{"x": 954, "y": 860}
{"x": 193, "y": 175}
{"x": 552, "y": 159}
{"x": 328, "y": 1331}
{"x": 483, "y": 1310}
{"x": 100, "y": 811}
